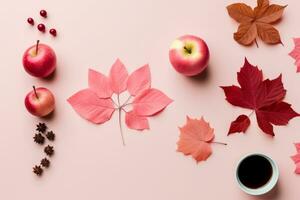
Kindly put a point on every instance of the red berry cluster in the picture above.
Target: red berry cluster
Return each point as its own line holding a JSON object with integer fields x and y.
{"x": 41, "y": 27}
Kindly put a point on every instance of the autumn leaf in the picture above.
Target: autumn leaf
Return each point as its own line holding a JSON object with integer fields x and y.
{"x": 295, "y": 53}
{"x": 296, "y": 158}
{"x": 241, "y": 124}
{"x": 256, "y": 22}
{"x": 96, "y": 103}
{"x": 195, "y": 139}
{"x": 263, "y": 97}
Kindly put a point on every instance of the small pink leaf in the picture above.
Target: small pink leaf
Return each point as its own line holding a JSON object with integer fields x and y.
{"x": 89, "y": 106}
{"x": 118, "y": 77}
{"x": 139, "y": 80}
{"x": 296, "y": 158}
{"x": 295, "y": 53}
{"x": 241, "y": 124}
{"x": 99, "y": 83}
{"x": 297, "y": 170}
{"x": 150, "y": 102}
{"x": 297, "y": 145}
{"x": 136, "y": 122}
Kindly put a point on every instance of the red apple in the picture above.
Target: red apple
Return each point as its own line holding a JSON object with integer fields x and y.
{"x": 189, "y": 55}
{"x": 40, "y": 102}
{"x": 39, "y": 60}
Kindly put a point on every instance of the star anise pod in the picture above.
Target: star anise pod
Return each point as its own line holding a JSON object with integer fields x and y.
{"x": 39, "y": 138}
{"x": 45, "y": 162}
{"x": 38, "y": 170}
{"x": 41, "y": 127}
{"x": 49, "y": 150}
{"x": 50, "y": 135}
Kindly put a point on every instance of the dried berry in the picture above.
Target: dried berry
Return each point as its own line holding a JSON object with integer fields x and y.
{"x": 30, "y": 21}
{"x": 41, "y": 27}
{"x": 49, "y": 150}
{"x": 45, "y": 162}
{"x": 41, "y": 127}
{"x": 43, "y": 13}
{"x": 53, "y": 32}
{"x": 50, "y": 135}
{"x": 39, "y": 138}
{"x": 38, "y": 170}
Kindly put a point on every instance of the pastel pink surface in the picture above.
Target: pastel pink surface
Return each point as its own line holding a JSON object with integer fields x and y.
{"x": 90, "y": 161}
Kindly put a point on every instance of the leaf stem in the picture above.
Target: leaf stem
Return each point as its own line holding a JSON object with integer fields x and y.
{"x": 251, "y": 113}
{"x": 127, "y": 100}
{"x": 115, "y": 104}
{"x": 120, "y": 125}
{"x": 118, "y": 97}
{"x": 127, "y": 104}
{"x": 222, "y": 143}
{"x": 124, "y": 110}
{"x": 256, "y": 43}
{"x": 120, "y": 119}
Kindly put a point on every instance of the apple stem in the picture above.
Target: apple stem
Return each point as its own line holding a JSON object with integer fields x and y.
{"x": 187, "y": 49}
{"x": 35, "y": 92}
{"x": 37, "y": 47}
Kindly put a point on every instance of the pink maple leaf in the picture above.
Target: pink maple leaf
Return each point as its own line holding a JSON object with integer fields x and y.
{"x": 296, "y": 158}
{"x": 96, "y": 103}
{"x": 295, "y": 53}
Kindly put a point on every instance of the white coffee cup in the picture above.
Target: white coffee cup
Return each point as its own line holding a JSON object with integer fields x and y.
{"x": 264, "y": 188}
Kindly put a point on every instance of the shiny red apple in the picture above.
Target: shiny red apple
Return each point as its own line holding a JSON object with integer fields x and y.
{"x": 39, "y": 60}
{"x": 189, "y": 55}
{"x": 40, "y": 102}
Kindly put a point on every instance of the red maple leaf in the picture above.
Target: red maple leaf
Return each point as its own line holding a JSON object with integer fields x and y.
{"x": 97, "y": 105}
{"x": 264, "y": 97}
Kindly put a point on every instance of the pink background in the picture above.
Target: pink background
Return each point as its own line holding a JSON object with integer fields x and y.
{"x": 90, "y": 161}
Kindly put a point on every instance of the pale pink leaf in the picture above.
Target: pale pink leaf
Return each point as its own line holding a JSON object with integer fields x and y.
{"x": 297, "y": 41}
{"x": 297, "y": 145}
{"x": 99, "y": 83}
{"x": 136, "y": 122}
{"x": 118, "y": 77}
{"x": 297, "y": 170}
{"x": 139, "y": 80}
{"x": 150, "y": 102}
{"x": 295, "y": 53}
{"x": 296, "y": 158}
{"x": 89, "y": 106}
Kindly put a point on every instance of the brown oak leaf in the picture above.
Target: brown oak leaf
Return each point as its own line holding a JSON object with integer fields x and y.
{"x": 256, "y": 22}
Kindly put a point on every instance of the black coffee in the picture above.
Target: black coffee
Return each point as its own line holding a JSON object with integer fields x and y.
{"x": 255, "y": 171}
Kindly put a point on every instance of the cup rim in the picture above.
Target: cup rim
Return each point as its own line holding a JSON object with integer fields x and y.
{"x": 265, "y": 188}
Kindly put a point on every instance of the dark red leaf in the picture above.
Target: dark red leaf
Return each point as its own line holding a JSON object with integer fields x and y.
{"x": 278, "y": 113}
{"x": 241, "y": 124}
{"x": 269, "y": 92}
{"x": 235, "y": 96}
{"x": 265, "y": 97}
